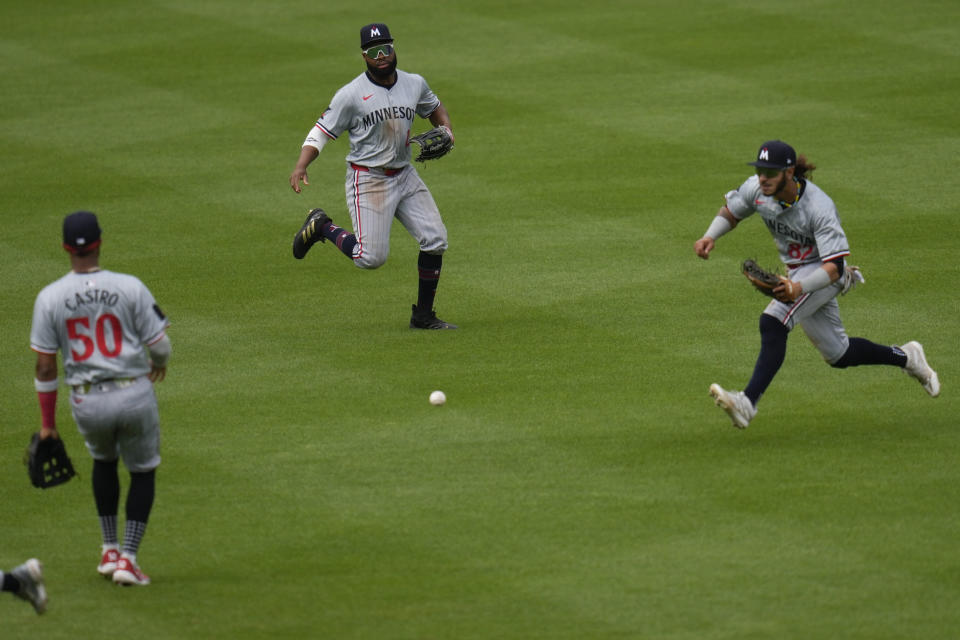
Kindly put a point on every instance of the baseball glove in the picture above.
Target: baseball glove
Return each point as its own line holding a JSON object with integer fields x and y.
{"x": 434, "y": 144}
{"x": 47, "y": 462}
{"x": 763, "y": 281}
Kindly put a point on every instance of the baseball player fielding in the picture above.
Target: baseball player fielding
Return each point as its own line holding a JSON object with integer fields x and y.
{"x": 806, "y": 229}
{"x": 377, "y": 110}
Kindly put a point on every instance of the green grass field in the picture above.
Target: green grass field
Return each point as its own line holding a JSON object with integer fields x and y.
{"x": 578, "y": 483}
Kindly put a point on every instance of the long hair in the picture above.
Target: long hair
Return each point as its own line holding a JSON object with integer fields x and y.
{"x": 803, "y": 168}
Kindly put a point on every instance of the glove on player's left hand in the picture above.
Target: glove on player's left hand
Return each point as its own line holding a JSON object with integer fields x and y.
{"x": 434, "y": 144}
{"x": 47, "y": 462}
{"x": 769, "y": 283}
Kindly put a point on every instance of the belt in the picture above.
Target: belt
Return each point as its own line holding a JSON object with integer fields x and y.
{"x": 103, "y": 385}
{"x": 387, "y": 171}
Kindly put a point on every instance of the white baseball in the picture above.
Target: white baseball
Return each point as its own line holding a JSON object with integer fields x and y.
{"x": 437, "y": 398}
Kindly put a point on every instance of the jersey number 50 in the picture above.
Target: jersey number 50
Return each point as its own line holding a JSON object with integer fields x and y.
{"x": 106, "y": 322}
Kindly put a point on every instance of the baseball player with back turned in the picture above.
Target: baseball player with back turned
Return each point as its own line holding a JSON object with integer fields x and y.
{"x": 377, "y": 109}
{"x": 806, "y": 228}
{"x": 113, "y": 339}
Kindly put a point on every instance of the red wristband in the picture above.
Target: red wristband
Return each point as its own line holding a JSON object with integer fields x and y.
{"x": 48, "y": 409}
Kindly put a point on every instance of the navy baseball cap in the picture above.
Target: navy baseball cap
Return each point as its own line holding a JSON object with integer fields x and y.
{"x": 81, "y": 233}
{"x": 775, "y": 154}
{"x": 374, "y": 33}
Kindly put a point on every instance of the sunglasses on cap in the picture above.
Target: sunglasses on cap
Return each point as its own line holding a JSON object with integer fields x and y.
{"x": 378, "y": 50}
{"x": 767, "y": 172}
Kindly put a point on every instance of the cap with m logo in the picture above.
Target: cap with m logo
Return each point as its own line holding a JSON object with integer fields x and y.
{"x": 775, "y": 154}
{"x": 374, "y": 33}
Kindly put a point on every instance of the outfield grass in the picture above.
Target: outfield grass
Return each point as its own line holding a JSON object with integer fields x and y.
{"x": 578, "y": 483}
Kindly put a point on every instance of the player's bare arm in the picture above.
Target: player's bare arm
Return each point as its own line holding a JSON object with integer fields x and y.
{"x": 307, "y": 155}
{"x": 46, "y": 369}
{"x": 726, "y": 223}
{"x": 440, "y": 118}
{"x": 159, "y": 355}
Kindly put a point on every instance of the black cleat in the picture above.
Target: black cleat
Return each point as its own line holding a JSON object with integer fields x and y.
{"x": 428, "y": 320}
{"x": 309, "y": 233}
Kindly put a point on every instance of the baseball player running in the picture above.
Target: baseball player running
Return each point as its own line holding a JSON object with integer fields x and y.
{"x": 113, "y": 339}
{"x": 377, "y": 109}
{"x": 26, "y": 583}
{"x": 806, "y": 228}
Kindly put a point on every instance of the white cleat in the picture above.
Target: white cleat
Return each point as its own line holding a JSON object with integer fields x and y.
{"x": 737, "y": 405}
{"x": 30, "y": 576}
{"x": 918, "y": 368}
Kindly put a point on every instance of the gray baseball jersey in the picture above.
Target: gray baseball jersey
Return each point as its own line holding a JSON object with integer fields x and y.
{"x": 380, "y": 182}
{"x": 101, "y": 321}
{"x": 808, "y": 231}
{"x": 379, "y": 119}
